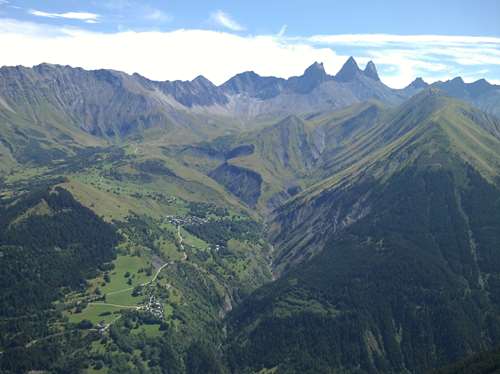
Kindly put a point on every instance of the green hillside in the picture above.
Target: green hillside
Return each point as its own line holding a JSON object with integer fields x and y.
{"x": 154, "y": 237}
{"x": 392, "y": 268}
{"x": 429, "y": 131}
{"x": 68, "y": 282}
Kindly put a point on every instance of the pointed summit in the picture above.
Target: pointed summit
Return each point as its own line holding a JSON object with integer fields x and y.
{"x": 457, "y": 81}
{"x": 316, "y": 69}
{"x": 371, "y": 71}
{"x": 418, "y": 83}
{"x": 254, "y": 85}
{"x": 455, "y": 87}
{"x": 200, "y": 79}
{"x": 242, "y": 82}
{"x": 349, "y": 71}
{"x": 480, "y": 86}
{"x": 313, "y": 76}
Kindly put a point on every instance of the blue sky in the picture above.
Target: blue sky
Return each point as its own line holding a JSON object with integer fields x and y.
{"x": 181, "y": 39}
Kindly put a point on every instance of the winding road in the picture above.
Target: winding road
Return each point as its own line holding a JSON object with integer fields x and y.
{"x": 145, "y": 284}
{"x": 180, "y": 237}
{"x": 137, "y": 307}
{"x": 157, "y": 273}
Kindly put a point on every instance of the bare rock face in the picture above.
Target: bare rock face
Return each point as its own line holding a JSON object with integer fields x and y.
{"x": 253, "y": 85}
{"x": 371, "y": 71}
{"x": 104, "y": 103}
{"x": 241, "y": 182}
{"x": 199, "y": 91}
{"x": 313, "y": 76}
{"x": 419, "y": 83}
{"x": 112, "y": 105}
{"x": 349, "y": 71}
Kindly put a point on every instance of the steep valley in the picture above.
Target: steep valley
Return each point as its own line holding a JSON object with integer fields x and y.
{"x": 314, "y": 224}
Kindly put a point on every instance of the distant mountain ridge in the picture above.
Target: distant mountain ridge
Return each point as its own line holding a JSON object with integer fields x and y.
{"x": 375, "y": 212}
{"x": 203, "y": 93}
{"x": 246, "y": 93}
{"x": 481, "y": 93}
{"x": 102, "y": 106}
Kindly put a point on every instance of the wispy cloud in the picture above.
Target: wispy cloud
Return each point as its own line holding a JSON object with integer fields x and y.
{"x": 80, "y": 16}
{"x": 157, "y": 15}
{"x": 282, "y": 30}
{"x": 225, "y": 20}
{"x": 371, "y": 39}
{"x": 135, "y": 13}
{"x": 403, "y": 57}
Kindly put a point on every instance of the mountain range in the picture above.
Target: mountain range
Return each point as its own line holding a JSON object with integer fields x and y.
{"x": 314, "y": 224}
{"x": 78, "y": 96}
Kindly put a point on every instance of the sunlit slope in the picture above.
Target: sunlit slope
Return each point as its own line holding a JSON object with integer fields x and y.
{"x": 281, "y": 159}
{"x": 391, "y": 265}
{"x": 429, "y": 131}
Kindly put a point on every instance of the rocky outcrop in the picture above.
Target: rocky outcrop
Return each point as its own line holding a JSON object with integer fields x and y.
{"x": 241, "y": 182}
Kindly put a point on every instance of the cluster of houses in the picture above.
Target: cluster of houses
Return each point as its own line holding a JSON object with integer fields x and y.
{"x": 215, "y": 248}
{"x": 102, "y": 327}
{"x": 155, "y": 307}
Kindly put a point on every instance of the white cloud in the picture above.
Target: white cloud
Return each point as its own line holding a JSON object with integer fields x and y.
{"x": 403, "y": 57}
{"x": 184, "y": 54}
{"x": 180, "y": 54}
{"x": 223, "y": 19}
{"x": 81, "y": 16}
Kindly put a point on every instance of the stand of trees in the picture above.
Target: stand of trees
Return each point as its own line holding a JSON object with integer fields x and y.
{"x": 48, "y": 243}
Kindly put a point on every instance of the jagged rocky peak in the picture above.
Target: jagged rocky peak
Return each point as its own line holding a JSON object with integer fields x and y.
{"x": 418, "y": 83}
{"x": 480, "y": 87}
{"x": 254, "y": 85}
{"x": 313, "y": 76}
{"x": 371, "y": 71}
{"x": 45, "y": 66}
{"x": 349, "y": 70}
{"x": 481, "y": 84}
{"x": 316, "y": 69}
{"x": 242, "y": 79}
{"x": 315, "y": 73}
{"x": 457, "y": 81}
{"x": 201, "y": 80}
{"x": 248, "y": 75}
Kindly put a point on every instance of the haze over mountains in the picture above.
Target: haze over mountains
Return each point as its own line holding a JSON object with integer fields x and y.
{"x": 316, "y": 224}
